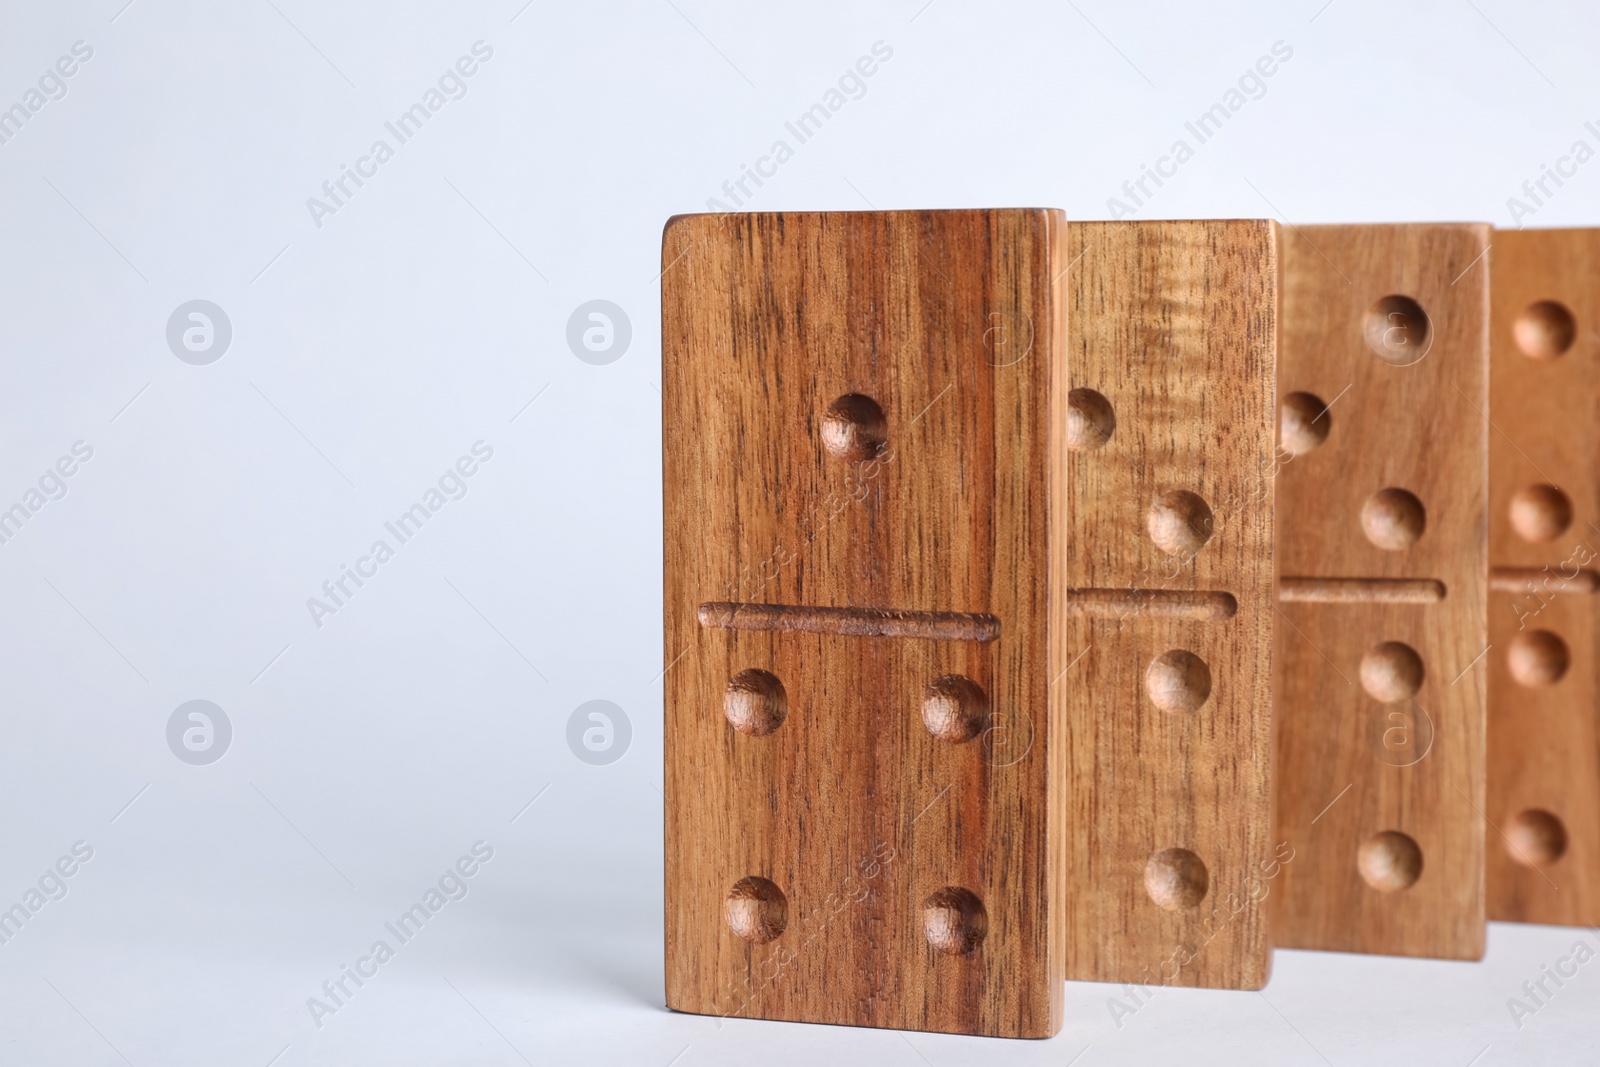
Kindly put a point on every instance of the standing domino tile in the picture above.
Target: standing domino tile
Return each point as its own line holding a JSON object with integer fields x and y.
{"x": 1382, "y": 555}
{"x": 861, "y": 824}
{"x": 1165, "y": 625}
{"x": 1544, "y": 739}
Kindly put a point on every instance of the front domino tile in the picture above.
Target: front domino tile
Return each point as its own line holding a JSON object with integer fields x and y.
{"x": 860, "y": 826}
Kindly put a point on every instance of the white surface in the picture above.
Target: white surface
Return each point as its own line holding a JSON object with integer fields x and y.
{"x": 375, "y": 350}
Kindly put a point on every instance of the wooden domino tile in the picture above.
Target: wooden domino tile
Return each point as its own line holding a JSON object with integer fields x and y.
{"x": 1165, "y": 624}
{"x": 1382, "y": 560}
{"x": 1544, "y": 540}
{"x": 863, "y": 812}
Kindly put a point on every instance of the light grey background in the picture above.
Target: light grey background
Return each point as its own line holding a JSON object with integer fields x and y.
{"x": 427, "y": 314}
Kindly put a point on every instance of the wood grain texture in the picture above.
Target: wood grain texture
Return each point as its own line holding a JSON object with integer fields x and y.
{"x": 1544, "y": 741}
{"x": 1352, "y": 778}
{"x": 1169, "y": 849}
{"x": 884, "y": 841}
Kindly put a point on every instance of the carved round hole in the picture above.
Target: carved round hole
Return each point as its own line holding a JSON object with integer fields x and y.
{"x": 1544, "y": 330}
{"x": 1398, "y": 331}
{"x": 954, "y": 921}
{"x": 1391, "y": 671}
{"x": 1537, "y": 658}
{"x": 1178, "y": 681}
{"x": 955, "y": 709}
{"x": 853, "y": 428}
{"x": 1536, "y": 838}
{"x": 1090, "y": 420}
{"x": 1179, "y": 522}
{"x": 1176, "y": 878}
{"x": 1303, "y": 423}
{"x": 755, "y": 702}
{"x": 1540, "y": 512}
{"x": 1393, "y": 519}
{"x": 1389, "y": 861}
{"x": 756, "y": 909}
